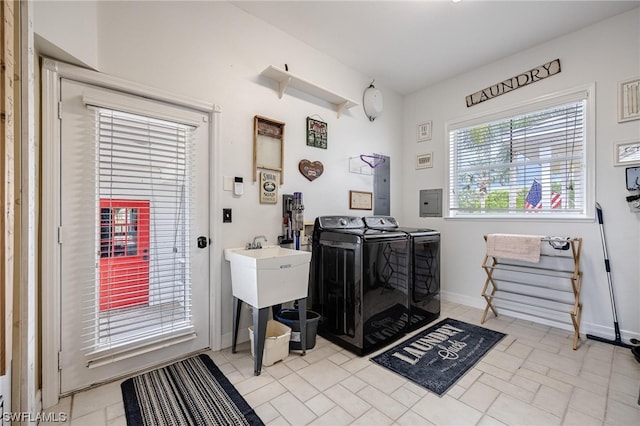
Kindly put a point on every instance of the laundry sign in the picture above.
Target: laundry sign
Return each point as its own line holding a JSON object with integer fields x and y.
{"x": 513, "y": 83}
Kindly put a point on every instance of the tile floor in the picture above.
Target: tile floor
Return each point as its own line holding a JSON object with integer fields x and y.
{"x": 532, "y": 377}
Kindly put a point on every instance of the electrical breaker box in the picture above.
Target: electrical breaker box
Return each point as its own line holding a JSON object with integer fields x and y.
{"x": 431, "y": 202}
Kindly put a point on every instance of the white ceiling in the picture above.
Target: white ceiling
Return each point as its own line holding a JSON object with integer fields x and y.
{"x": 409, "y": 45}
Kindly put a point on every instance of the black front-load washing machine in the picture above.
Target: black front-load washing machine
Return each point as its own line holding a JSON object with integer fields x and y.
{"x": 359, "y": 283}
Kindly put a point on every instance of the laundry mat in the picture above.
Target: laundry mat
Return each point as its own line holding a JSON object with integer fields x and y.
{"x": 440, "y": 355}
{"x": 189, "y": 392}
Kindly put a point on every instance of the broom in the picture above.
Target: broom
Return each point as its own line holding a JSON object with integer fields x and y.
{"x": 618, "y": 341}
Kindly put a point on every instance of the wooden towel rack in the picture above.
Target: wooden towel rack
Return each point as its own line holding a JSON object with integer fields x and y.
{"x": 547, "y": 289}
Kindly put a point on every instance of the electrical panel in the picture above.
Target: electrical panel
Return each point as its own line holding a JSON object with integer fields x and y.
{"x": 430, "y": 202}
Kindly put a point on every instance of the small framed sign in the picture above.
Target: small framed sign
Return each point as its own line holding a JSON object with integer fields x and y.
{"x": 626, "y": 153}
{"x": 424, "y": 161}
{"x": 629, "y": 100}
{"x": 316, "y": 133}
{"x": 269, "y": 187}
{"x": 424, "y": 131}
{"x": 359, "y": 200}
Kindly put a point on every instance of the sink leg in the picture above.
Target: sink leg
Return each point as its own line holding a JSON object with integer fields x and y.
{"x": 237, "y": 308}
{"x": 260, "y": 317}
{"x": 302, "y": 314}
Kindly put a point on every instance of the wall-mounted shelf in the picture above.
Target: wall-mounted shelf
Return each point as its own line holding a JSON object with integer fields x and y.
{"x": 285, "y": 79}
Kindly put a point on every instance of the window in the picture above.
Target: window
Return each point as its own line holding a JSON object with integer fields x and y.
{"x": 528, "y": 162}
{"x": 144, "y": 293}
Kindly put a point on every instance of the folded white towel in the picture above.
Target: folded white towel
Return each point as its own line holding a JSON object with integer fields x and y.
{"x": 514, "y": 246}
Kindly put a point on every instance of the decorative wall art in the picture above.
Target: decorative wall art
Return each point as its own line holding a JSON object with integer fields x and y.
{"x": 269, "y": 187}
{"x": 311, "y": 170}
{"x": 626, "y": 154}
{"x": 316, "y": 133}
{"x": 268, "y": 146}
{"x": 424, "y": 161}
{"x": 359, "y": 200}
{"x": 629, "y": 100}
{"x": 424, "y": 131}
{"x": 633, "y": 178}
{"x": 513, "y": 83}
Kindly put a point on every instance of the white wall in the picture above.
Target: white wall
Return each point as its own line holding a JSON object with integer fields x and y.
{"x": 604, "y": 53}
{"x": 214, "y": 51}
{"x": 67, "y": 30}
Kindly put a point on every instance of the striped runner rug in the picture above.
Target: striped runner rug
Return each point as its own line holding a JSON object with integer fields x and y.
{"x": 189, "y": 392}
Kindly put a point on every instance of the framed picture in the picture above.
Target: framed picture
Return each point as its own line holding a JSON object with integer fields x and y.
{"x": 424, "y": 160}
{"x": 316, "y": 133}
{"x": 629, "y": 100}
{"x": 633, "y": 178}
{"x": 424, "y": 131}
{"x": 626, "y": 153}
{"x": 359, "y": 200}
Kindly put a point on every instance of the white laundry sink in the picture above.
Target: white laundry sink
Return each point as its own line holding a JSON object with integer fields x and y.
{"x": 268, "y": 276}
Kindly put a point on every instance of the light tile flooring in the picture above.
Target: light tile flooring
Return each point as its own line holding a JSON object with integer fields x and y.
{"x": 532, "y": 377}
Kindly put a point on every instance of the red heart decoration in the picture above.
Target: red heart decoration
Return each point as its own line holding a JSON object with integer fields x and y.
{"x": 310, "y": 170}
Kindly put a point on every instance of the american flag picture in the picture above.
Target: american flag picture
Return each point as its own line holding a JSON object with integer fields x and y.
{"x": 534, "y": 197}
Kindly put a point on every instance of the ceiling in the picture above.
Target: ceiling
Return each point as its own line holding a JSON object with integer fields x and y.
{"x": 409, "y": 45}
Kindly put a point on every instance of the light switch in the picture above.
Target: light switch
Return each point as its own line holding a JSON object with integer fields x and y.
{"x": 226, "y": 215}
{"x": 227, "y": 183}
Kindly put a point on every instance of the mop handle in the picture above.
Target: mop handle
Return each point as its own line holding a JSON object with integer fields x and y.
{"x": 607, "y": 265}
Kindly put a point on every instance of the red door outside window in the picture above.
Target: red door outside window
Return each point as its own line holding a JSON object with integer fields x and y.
{"x": 124, "y": 253}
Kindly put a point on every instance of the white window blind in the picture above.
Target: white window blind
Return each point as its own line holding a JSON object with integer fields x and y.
{"x": 530, "y": 164}
{"x": 141, "y": 293}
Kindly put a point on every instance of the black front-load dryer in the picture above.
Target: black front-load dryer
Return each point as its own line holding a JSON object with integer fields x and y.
{"x": 423, "y": 303}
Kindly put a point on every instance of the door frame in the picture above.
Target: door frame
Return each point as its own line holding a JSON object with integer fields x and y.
{"x": 51, "y": 73}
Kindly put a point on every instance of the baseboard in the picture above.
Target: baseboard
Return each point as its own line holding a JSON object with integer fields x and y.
{"x": 607, "y": 332}
{"x": 227, "y": 339}
{"x": 478, "y": 302}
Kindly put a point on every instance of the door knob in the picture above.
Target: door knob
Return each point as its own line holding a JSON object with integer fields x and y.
{"x": 202, "y": 242}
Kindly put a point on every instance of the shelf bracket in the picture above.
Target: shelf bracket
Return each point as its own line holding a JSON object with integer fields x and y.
{"x": 282, "y": 85}
{"x": 341, "y": 107}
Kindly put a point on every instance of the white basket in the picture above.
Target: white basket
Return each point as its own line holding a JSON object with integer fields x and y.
{"x": 276, "y": 342}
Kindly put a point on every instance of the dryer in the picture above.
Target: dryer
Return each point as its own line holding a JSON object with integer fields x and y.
{"x": 423, "y": 302}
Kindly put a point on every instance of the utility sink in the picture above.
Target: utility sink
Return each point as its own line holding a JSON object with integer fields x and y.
{"x": 268, "y": 276}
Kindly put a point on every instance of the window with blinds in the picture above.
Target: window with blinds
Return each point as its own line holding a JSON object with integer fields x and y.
{"x": 527, "y": 164}
{"x": 142, "y": 291}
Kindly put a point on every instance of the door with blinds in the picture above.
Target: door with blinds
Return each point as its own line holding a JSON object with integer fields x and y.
{"x": 133, "y": 234}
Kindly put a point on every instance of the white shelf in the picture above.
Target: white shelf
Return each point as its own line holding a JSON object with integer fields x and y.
{"x": 285, "y": 79}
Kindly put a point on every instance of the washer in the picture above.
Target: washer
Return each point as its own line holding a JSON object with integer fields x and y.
{"x": 359, "y": 283}
{"x": 423, "y": 302}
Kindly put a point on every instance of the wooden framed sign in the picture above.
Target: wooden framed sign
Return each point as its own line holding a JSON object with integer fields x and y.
{"x": 516, "y": 82}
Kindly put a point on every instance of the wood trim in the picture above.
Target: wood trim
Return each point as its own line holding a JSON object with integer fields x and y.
{"x": 8, "y": 119}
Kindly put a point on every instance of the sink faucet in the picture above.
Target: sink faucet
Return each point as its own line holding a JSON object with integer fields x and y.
{"x": 256, "y": 244}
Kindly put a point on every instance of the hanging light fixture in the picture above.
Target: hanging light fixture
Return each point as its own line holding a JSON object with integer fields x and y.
{"x": 372, "y": 102}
